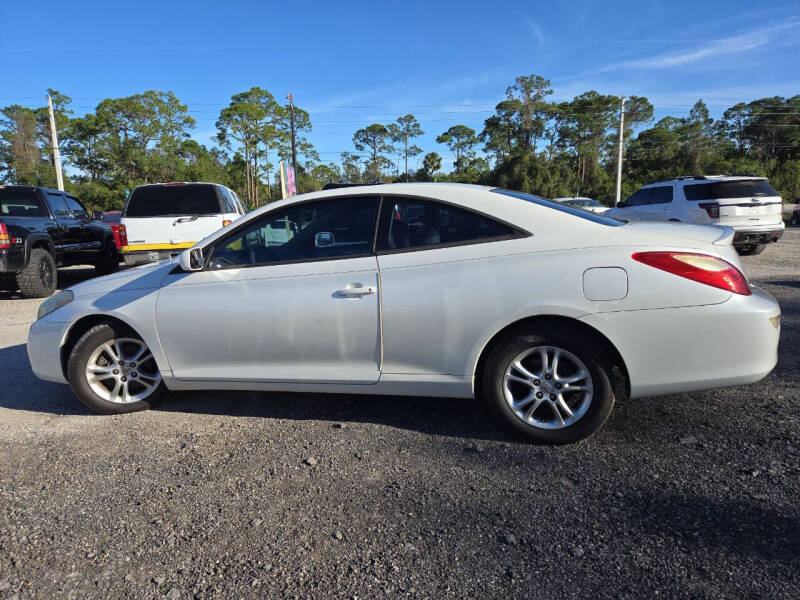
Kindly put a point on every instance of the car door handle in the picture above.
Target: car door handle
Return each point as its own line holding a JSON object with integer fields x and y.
{"x": 355, "y": 291}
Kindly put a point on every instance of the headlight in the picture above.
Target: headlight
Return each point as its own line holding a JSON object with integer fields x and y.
{"x": 54, "y": 303}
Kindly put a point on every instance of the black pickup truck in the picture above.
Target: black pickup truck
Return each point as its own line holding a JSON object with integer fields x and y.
{"x": 43, "y": 229}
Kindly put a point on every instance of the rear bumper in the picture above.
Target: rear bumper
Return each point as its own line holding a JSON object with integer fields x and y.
{"x": 674, "y": 350}
{"x": 141, "y": 257}
{"x": 11, "y": 261}
{"x": 757, "y": 236}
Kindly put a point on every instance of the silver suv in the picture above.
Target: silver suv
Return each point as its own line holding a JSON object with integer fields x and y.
{"x": 748, "y": 204}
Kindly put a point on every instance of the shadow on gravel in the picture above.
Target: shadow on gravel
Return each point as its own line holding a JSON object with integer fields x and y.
{"x": 793, "y": 283}
{"x": 744, "y": 529}
{"x": 20, "y": 390}
{"x": 461, "y": 418}
{"x": 66, "y": 278}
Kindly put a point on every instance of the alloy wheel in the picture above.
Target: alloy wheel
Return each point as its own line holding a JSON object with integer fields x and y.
{"x": 548, "y": 387}
{"x": 122, "y": 371}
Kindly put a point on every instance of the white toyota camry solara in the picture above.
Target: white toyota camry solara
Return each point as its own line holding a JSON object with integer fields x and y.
{"x": 547, "y": 312}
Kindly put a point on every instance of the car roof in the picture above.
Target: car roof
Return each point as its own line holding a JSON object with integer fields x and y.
{"x": 700, "y": 179}
{"x": 477, "y": 198}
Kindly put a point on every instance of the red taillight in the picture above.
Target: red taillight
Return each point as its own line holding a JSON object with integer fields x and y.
{"x": 5, "y": 241}
{"x": 702, "y": 268}
{"x": 123, "y": 236}
{"x": 712, "y": 208}
{"x": 226, "y": 222}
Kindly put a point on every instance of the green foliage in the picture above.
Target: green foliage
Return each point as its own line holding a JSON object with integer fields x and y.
{"x": 530, "y": 143}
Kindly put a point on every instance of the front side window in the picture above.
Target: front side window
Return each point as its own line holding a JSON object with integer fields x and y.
{"x": 337, "y": 228}
{"x": 58, "y": 206}
{"x": 419, "y": 223}
{"x": 638, "y": 198}
{"x": 76, "y": 207}
{"x": 660, "y": 195}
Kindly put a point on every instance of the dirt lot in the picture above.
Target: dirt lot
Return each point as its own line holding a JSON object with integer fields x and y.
{"x": 280, "y": 495}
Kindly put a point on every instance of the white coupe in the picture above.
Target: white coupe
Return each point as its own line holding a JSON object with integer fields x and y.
{"x": 549, "y": 313}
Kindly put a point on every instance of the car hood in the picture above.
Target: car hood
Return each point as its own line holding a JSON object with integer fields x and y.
{"x": 654, "y": 233}
{"x": 144, "y": 277}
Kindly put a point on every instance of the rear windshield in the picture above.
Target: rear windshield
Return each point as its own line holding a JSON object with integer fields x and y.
{"x": 720, "y": 190}
{"x": 570, "y": 210}
{"x": 19, "y": 203}
{"x": 173, "y": 200}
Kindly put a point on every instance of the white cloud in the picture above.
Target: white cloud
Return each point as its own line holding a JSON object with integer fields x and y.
{"x": 748, "y": 40}
{"x": 534, "y": 28}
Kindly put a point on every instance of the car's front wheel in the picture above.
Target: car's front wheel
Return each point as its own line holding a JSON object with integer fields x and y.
{"x": 552, "y": 386}
{"x": 112, "y": 371}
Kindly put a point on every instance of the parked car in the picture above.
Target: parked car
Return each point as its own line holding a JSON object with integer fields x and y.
{"x": 112, "y": 219}
{"x": 748, "y": 204}
{"x": 584, "y": 203}
{"x": 548, "y": 312}
{"x": 794, "y": 221}
{"x": 43, "y": 229}
{"x": 162, "y": 219}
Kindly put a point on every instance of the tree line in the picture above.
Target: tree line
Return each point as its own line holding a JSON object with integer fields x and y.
{"x": 530, "y": 143}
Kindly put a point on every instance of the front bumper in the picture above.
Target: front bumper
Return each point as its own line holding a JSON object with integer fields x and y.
{"x": 148, "y": 256}
{"x": 675, "y": 350}
{"x": 44, "y": 349}
{"x": 746, "y": 238}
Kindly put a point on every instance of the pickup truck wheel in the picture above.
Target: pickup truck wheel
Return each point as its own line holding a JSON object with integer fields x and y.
{"x": 39, "y": 277}
{"x": 109, "y": 261}
{"x": 112, "y": 371}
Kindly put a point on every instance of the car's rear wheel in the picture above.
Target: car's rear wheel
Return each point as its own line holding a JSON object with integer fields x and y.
{"x": 109, "y": 260}
{"x": 552, "y": 386}
{"x": 112, "y": 371}
{"x": 751, "y": 250}
{"x": 39, "y": 277}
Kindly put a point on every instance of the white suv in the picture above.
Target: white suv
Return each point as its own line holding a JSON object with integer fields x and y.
{"x": 162, "y": 219}
{"x": 748, "y": 204}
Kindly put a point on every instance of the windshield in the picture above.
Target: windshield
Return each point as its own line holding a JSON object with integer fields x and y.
{"x": 721, "y": 190}
{"x": 19, "y": 203}
{"x": 571, "y": 210}
{"x": 173, "y": 200}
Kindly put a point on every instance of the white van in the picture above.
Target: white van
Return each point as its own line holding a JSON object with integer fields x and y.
{"x": 748, "y": 204}
{"x": 162, "y": 219}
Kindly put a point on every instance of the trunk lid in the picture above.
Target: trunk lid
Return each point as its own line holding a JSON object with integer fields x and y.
{"x": 172, "y": 215}
{"x": 743, "y": 203}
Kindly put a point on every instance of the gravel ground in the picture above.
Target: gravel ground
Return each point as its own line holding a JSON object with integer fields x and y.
{"x": 291, "y": 495}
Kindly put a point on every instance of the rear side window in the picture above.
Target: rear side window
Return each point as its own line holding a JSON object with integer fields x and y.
{"x": 58, "y": 206}
{"x": 20, "y": 203}
{"x": 720, "y": 190}
{"x": 570, "y": 210}
{"x": 420, "y": 223}
{"x": 173, "y": 200}
{"x": 660, "y": 195}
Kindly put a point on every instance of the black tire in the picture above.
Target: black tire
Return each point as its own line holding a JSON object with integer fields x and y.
{"x": 751, "y": 250}
{"x": 795, "y": 220}
{"x": 39, "y": 278}
{"x": 574, "y": 342}
{"x": 76, "y": 371}
{"x": 109, "y": 261}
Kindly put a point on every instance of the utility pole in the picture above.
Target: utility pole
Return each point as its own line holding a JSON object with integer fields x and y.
{"x": 619, "y": 156}
{"x": 54, "y": 141}
{"x": 294, "y": 151}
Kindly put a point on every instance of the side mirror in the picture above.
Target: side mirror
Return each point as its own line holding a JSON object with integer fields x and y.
{"x": 191, "y": 259}
{"x": 620, "y": 205}
{"x": 324, "y": 239}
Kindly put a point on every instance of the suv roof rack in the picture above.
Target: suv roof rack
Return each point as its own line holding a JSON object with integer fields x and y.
{"x": 336, "y": 186}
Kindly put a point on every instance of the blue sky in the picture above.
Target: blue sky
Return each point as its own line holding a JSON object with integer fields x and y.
{"x": 353, "y": 63}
